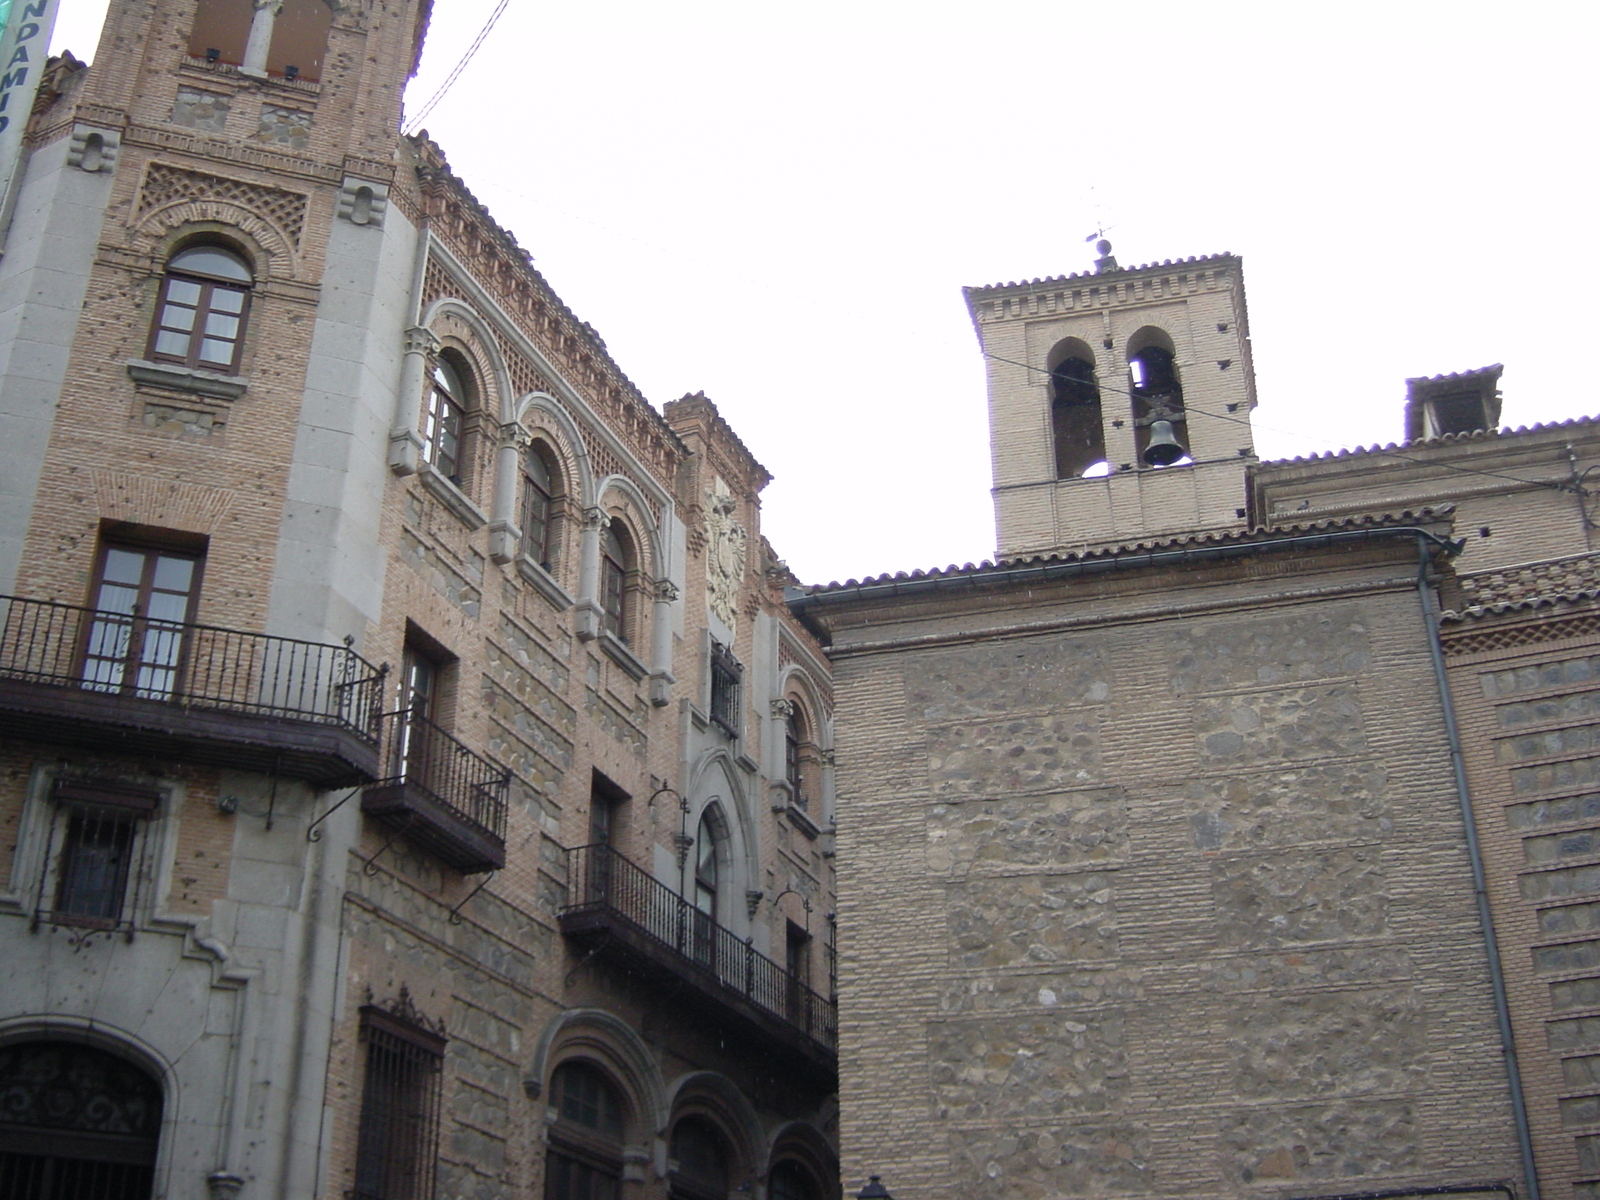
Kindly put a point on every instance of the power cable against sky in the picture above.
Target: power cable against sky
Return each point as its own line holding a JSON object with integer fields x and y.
{"x": 415, "y": 122}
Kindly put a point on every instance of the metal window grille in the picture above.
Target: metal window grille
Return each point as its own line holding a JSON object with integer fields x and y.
{"x": 398, "y": 1144}
{"x": 725, "y": 678}
{"x": 101, "y": 862}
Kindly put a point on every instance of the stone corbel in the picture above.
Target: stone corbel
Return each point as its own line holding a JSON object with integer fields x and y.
{"x": 783, "y": 709}
{"x": 405, "y": 451}
{"x": 779, "y": 796}
{"x": 505, "y": 541}
{"x": 825, "y": 757}
{"x": 660, "y": 689}
{"x": 223, "y": 1185}
{"x": 752, "y": 900}
{"x": 587, "y": 620}
{"x": 666, "y": 591}
{"x": 635, "y": 1164}
{"x": 595, "y": 520}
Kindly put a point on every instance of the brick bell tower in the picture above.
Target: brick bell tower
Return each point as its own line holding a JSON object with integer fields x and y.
{"x": 1119, "y": 402}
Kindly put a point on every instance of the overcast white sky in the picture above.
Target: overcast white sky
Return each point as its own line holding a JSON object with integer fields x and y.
{"x": 779, "y": 205}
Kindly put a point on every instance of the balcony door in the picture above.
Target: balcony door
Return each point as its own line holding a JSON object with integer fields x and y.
{"x": 419, "y": 697}
{"x": 143, "y": 598}
{"x": 707, "y": 878}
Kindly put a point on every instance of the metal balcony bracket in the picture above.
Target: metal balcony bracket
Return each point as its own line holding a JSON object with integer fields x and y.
{"x": 370, "y": 867}
{"x": 584, "y": 961}
{"x": 455, "y": 913}
{"x": 272, "y": 796}
{"x": 313, "y": 834}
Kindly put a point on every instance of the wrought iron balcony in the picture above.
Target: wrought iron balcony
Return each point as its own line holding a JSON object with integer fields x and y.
{"x": 123, "y": 683}
{"x": 616, "y": 906}
{"x": 441, "y": 796}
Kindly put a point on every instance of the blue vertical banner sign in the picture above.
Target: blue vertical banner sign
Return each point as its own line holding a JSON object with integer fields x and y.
{"x": 24, "y": 46}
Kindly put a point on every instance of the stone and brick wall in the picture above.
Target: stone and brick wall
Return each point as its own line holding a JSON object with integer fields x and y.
{"x": 1150, "y": 904}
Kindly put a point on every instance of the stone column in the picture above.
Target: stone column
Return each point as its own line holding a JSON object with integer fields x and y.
{"x": 665, "y": 594}
{"x": 405, "y": 442}
{"x": 587, "y": 611}
{"x": 260, "y": 40}
{"x": 505, "y": 535}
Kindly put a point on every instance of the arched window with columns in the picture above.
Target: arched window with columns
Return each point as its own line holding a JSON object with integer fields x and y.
{"x": 584, "y": 1159}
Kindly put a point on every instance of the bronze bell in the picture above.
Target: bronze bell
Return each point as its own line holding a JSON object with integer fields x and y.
{"x": 1164, "y": 448}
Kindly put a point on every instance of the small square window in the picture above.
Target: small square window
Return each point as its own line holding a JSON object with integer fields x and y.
{"x": 100, "y": 831}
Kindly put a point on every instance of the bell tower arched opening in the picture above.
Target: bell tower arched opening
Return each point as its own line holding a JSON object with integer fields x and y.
{"x": 1075, "y": 413}
{"x": 1160, "y": 420}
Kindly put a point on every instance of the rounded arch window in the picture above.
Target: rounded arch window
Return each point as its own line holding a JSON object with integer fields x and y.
{"x": 701, "y": 1154}
{"x": 788, "y": 1180}
{"x": 443, "y": 429}
{"x": 584, "y": 1161}
{"x": 794, "y": 740}
{"x": 204, "y": 306}
{"x": 541, "y": 490}
{"x": 616, "y": 571}
{"x": 86, "y": 1118}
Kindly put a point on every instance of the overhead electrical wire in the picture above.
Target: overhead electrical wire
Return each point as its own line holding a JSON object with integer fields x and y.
{"x": 415, "y": 122}
{"x": 1574, "y": 488}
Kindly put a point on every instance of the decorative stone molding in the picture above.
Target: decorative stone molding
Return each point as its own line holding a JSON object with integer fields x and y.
{"x": 165, "y": 184}
{"x": 727, "y": 543}
{"x": 223, "y": 1185}
{"x": 666, "y": 591}
{"x": 618, "y": 652}
{"x": 783, "y": 708}
{"x": 90, "y": 149}
{"x": 514, "y": 437}
{"x": 421, "y": 340}
{"x": 449, "y": 495}
{"x": 186, "y": 379}
{"x": 362, "y": 202}
{"x": 544, "y": 583}
{"x": 752, "y": 900}
{"x": 825, "y": 757}
{"x": 779, "y": 797}
{"x": 595, "y": 520}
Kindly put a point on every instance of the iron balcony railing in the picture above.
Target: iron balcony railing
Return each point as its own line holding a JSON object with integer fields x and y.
{"x": 469, "y": 786}
{"x": 601, "y": 880}
{"x": 190, "y": 665}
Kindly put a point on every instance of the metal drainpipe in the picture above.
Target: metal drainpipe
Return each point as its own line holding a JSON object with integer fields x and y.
{"x": 1508, "y": 1049}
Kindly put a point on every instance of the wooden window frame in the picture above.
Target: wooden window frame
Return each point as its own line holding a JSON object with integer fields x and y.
{"x": 203, "y": 308}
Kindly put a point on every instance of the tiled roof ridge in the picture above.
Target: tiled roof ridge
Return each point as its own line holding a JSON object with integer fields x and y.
{"x": 1214, "y": 537}
{"x": 723, "y": 428}
{"x": 1527, "y": 604}
{"x": 1107, "y": 275}
{"x": 1526, "y": 586}
{"x": 1441, "y": 440}
{"x": 1453, "y": 376}
{"x": 431, "y": 158}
